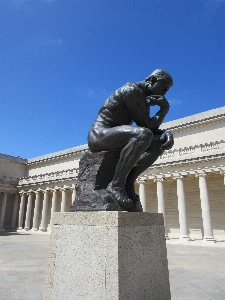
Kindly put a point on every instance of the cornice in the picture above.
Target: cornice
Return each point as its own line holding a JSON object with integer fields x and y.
{"x": 15, "y": 159}
{"x": 210, "y": 116}
{"x": 198, "y": 123}
{"x": 59, "y": 155}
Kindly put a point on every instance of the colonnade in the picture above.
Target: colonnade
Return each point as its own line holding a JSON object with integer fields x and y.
{"x": 5, "y": 196}
{"x": 35, "y": 209}
{"x": 204, "y": 198}
{"x": 40, "y": 218}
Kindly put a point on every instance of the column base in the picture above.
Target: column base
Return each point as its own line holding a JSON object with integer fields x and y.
{"x": 185, "y": 238}
{"x": 43, "y": 229}
{"x": 27, "y": 228}
{"x": 209, "y": 239}
{"x": 2, "y": 229}
{"x": 167, "y": 237}
{"x": 107, "y": 255}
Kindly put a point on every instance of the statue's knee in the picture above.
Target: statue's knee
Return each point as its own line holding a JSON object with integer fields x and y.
{"x": 146, "y": 134}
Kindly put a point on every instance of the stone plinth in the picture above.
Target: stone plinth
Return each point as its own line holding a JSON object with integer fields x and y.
{"x": 107, "y": 256}
{"x": 96, "y": 171}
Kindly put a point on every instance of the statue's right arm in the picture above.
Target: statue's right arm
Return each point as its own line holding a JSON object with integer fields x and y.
{"x": 157, "y": 120}
{"x": 138, "y": 108}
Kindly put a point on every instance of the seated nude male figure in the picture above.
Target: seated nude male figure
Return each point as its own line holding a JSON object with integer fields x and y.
{"x": 140, "y": 145}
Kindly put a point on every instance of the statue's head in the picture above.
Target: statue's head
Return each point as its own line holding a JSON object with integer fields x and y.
{"x": 160, "y": 81}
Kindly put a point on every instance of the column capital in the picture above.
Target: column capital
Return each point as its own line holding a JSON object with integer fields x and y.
{"x": 5, "y": 193}
{"x": 46, "y": 190}
{"x": 222, "y": 171}
{"x": 176, "y": 176}
{"x": 38, "y": 191}
{"x": 63, "y": 189}
{"x": 201, "y": 174}
{"x": 22, "y": 193}
{"x": 30, "y": 192}
{"x": 72, "y": 187}
{"x": 142, "y": 180}
{"x": 57, "y": 189}
{"x": 159, "y": 179}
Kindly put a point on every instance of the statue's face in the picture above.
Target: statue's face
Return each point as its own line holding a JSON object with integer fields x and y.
{"x": 157, "y": 86}
{"x": 161, "y": 86}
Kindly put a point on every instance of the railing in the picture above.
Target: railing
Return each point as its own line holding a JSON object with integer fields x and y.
{"x": 193, "y": 150}
{"x": 48, "y": 177}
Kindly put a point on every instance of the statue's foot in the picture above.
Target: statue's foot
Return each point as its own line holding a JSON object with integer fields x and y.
{"x": 137, "y": 207}
{"x": 120, "y": 196}
{"x": 131, "y": 192}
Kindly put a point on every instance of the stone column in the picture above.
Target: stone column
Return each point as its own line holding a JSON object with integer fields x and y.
{"x": 222, "y": 172}
{"x": 36, "y": 210}
{"x": 206, "y": 217}
{"x": 44, "y": 212}
{"x": 21, "y": 211}
{"x": 182, "y": 208}
{"x": 14, "y": 214}
{"x": 73, "y": 193}
{"x": 63, "y": 202}
{"x": 2, "y": 212}
{"x": 161, "y": 200}
{"x": 54, "y": 204}
{"x": 142, "y": 194}
{"x": 28, "y": 212}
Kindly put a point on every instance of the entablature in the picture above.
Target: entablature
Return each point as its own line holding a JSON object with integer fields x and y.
{"x": 59, "y": 176}
{"x": 212, "y": 167}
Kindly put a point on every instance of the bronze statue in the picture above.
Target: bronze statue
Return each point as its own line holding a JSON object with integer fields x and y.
{"x": 138, "y": 146}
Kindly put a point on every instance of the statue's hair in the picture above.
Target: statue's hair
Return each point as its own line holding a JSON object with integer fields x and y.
{"x": 159, "y": 74}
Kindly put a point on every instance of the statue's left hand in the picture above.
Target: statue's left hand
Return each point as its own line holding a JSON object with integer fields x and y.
{"x": 167, "y": 139}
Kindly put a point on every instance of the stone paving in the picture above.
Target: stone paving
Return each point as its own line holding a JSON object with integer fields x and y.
{"x": 197, "y": 269}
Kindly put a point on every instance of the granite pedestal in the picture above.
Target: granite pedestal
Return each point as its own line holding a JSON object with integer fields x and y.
{"x": 106, "y": 256}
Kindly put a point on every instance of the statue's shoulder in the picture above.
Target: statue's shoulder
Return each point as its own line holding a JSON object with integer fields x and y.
{"x": 129, "y": 87}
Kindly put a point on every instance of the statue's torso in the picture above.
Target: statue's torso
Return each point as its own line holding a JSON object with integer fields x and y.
{"x": 115, "y": 111}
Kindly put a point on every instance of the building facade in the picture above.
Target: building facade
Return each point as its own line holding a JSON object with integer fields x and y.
{"x": 186, "y": 183}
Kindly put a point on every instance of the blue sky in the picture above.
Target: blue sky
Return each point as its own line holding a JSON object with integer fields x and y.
{"x": 60, "y": 59}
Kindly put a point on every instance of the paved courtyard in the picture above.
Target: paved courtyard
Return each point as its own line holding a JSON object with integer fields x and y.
{"x": 196, "y": 271}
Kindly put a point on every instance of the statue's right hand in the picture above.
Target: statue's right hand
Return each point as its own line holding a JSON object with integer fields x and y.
{"x": 159, "y": 100}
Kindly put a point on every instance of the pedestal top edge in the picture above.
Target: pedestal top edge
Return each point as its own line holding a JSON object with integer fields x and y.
{"x": 107, "y": 218}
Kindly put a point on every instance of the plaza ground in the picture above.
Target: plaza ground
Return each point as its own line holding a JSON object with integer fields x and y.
{"x": 197, "y": 269}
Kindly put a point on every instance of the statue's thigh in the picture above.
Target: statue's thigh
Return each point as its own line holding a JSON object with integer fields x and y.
{"x": 117, "y": 137}
{"x": 155, "y": 146}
